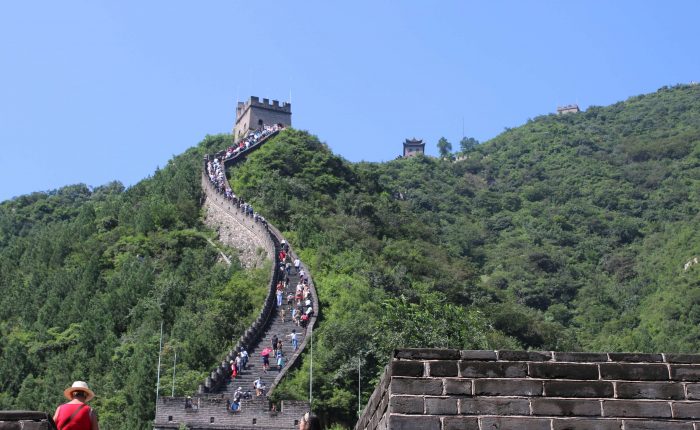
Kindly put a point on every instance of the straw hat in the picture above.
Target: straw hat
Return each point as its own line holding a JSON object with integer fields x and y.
{"x": 79, "y": 386}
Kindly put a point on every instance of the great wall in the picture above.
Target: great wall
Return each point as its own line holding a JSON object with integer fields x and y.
{"x": 208, "y": 409}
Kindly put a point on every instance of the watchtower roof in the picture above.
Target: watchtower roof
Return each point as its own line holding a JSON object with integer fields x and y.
{"x": 414, "y": 141}
{"x": 572, "y": 108}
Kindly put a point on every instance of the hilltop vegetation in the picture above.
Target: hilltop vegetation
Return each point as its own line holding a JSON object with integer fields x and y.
{"x": 568, "y": 233}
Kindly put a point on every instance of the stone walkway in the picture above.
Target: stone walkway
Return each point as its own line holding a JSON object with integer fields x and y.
{"x": 275, "y": 327}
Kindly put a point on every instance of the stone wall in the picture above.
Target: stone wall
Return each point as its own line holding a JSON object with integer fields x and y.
{"x": 239, "y": 232}
{"x": 244, "y": 230}
{"x": 433, "y": 389}
{"x": 271, "y": 241}
{"x": 212, "y": 413}
{"x": 26, "y": 420}
{"x": 211, "y": 410}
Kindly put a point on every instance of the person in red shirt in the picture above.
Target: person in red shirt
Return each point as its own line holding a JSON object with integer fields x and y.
{"x": 76, "y": 414}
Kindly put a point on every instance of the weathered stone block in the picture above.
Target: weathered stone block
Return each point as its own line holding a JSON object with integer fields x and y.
{"x": 486, "y": 369}
{"x": 407, "y": 368}
{"x": 656, "y": 425}
{"x": 578, "y": 357}
{"x": 493, "y": 406}
{"x": 650, "y": 390}
{"x": 641, "y": 409}
{"x": 524, "y": 355}
{"x": 693, "y": 391}
{"x": 413, "y": 422}
{"x": 683, "y": 358}
{"x": 478, "y": 355}
{"x": 566, "y": 407}
{"x": 427, "y": 354}
{"x": 685, "y": 372}
{"x": 507, "y": 387}
{"x": 578, "y": 389}
{"x": 416, "y": 386}
{"x": 563, "y": 370}
{"x": 406, "y": 405}
{"x": 586, "y": 424}
{"x": 443, "y": 368}
{"x": 686, "y": 410}
{"x": 458, "y": 386}
{"x": 511, "y": 423}
{"x": 460, "y": 423}
{"x": 441, "y": 406}
{"x": 633, "y": 357}
{"x": 634, "y": 372}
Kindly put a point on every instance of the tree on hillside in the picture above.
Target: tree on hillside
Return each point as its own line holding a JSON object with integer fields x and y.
{"x": 444, "y": 147}
{"x": 467, "y": 144}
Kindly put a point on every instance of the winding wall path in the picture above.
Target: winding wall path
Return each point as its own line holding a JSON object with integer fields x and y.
{"x": 210, "y": 411}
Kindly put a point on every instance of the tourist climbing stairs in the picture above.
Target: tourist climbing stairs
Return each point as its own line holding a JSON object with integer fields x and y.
{"x": 280, "y": 329}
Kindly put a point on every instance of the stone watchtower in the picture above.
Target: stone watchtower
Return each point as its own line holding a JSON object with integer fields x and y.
{"x": 412, "y": 147}
{"x": 568, "y": 109}
{"x": 253, "y": 113}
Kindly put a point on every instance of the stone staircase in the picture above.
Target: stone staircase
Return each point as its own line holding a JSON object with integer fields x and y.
{"x": 209, "y": 407}
{"x": 255, "y": 366}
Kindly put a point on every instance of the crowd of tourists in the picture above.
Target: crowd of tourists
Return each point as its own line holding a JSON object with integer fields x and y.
{"x": 215, "y": 167}
{"x": 299, "y": 305}
{"x": 253, "y": 138}
{"x": 215, "y": 171}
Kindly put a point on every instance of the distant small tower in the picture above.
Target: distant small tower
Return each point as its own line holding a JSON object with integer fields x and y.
{"x": 253, "y": 114}
{"x": 568, "y": 109}
{"x": 412, "y": 147}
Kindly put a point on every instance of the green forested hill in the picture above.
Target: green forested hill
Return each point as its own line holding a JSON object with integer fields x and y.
{"x": 567, "y": 233}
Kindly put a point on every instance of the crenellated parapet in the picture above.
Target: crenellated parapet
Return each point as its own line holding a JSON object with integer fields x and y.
{"x": 443, "y": 389}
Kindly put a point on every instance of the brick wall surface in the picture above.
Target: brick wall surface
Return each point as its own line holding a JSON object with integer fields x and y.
{"x": 212, "y": 413}
{"x": 237, "y": 232}
{"x": 443, "y": 389}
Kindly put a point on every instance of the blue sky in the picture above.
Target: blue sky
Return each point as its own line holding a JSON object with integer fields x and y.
{"x": 94, "y": 91}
